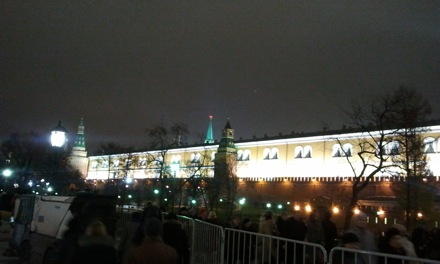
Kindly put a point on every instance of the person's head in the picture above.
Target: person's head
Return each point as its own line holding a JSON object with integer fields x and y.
{"x": 96, "y": 228}
{"x": 212, "y": 215}
{"x": 314, "y": 215}
{"x": 327, "y": 215}
{"x": 284, "y": 216}
{"x": 360, "y": 220}
{"x": 153, "y": 228}
{"x": 246, "y": 223}
{"x": 401, "y": 228}
{"x": 394, "y": 237}
{"x": 184, "y": 211}
{"x": 297, "y": 215}
{"x": 268, "y": 215}
{"x": 235, "y": 220}
{"x": 350, "y": 240}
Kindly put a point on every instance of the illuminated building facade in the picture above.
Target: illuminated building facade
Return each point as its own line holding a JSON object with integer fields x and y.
{"x": 283, "y": 170}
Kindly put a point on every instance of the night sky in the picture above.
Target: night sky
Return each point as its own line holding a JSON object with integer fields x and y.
{"x": 269, "y": 66}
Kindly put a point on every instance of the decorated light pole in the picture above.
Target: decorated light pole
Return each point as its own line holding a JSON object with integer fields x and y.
{"x": 58, "y": 140}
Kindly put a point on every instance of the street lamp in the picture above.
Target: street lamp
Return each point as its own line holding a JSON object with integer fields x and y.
{"x": 58, "y": 136}
{"x": 58, "y": 140}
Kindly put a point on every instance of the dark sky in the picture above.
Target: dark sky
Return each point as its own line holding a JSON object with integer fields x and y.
{"x": 269, "y": 66}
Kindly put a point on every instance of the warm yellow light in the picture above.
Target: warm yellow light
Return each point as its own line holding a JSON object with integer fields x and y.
{"x": 308, "y": 208}
{"x": 380, "y": 212}
{"x": 419, "y": 215}
{"x": 297, "y": 208}
{"x": 356, "y": 211}
{"x": 335, "y": 210}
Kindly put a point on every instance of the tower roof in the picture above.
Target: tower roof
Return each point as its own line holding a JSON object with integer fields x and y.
{"x": 228, "y": 125}
{"x": 209, "y": 135}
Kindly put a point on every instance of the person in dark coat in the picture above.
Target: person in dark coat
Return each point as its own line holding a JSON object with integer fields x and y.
{"x": 69, "y": 242}
{"x": 299, "y": 233}
{"x": 130, "y": 230}
{"x": 248, "y": 242}
{"x": 284, "y": 225}
{"x": 175, "y": 236}
{"x": 420, "y": 239}
{"x": 330, "y": 231}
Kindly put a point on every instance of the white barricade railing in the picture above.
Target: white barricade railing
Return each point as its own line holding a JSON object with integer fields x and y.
{"x": 340, "y": 255}
{"x": 208, "y": 244}
{"x": 248, "y": 247}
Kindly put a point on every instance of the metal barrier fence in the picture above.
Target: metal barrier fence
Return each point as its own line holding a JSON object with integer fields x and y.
{"x": 211, "y": 244}
{"x": 208, "y": 244}
{"x": 248, "y": 247}
{"x": 340, "y": 255}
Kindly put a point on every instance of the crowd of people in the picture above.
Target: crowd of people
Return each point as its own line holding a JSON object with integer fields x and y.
{"x": 150, "y": 238}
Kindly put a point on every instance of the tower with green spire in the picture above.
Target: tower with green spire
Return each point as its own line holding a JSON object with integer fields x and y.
{"x": 209, "y": 135}
{"x": 78, "y": 157}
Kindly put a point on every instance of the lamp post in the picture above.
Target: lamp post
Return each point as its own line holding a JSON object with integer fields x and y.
{"x": 58, "y": 140}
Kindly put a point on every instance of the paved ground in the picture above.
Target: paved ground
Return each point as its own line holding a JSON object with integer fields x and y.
{"x": 5, "y": 235}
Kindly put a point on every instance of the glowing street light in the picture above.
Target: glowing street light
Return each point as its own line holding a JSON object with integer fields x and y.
{"x": 58, "y": 136}
{"x": 7, "y": 173}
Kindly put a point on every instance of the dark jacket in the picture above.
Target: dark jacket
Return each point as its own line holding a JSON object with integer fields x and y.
{"x": 174, "y": 236}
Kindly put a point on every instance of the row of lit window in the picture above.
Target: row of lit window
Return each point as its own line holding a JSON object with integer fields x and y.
{"x": 345, "y": 150}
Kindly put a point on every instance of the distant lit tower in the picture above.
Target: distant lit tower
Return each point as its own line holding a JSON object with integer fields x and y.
{"x": 209, "y": 135}
{"x": 225, "y": 167}
{"x": 78, "y": 158}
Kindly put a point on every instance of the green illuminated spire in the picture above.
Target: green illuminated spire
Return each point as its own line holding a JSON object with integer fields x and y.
{"x": 80, "y": 140}
{"x": 209, "y": 135}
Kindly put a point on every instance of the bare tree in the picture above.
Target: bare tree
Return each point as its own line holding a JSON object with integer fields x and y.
{"x": 411, "y": 112}
{"x": 391, "y": 117}
{"x": 162, "y": 139}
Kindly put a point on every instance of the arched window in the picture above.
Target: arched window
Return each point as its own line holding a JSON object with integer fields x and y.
{"x": 266, "y": 154}
{"x": 175, "y": 159}
{"x": 274, "y": 153}
{"x": 430, "y": 146}
{"x": 246, "y": 155}
{"x": 307, "y": 152}
{"x": 348, "y": 149}
{"x": 392, "y": 148}
{"x": 240, "y": 155}
{"x": 336, "y": 151}
{"x": 195, "y": 158}
{"x": 298, "y": 152}
{"x": 159, "y": 160}
{"x": 142, "y": 162}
